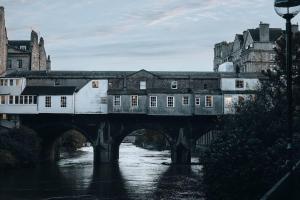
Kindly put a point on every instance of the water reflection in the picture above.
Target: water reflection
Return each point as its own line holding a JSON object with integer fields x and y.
{"x": 139, "y": 175}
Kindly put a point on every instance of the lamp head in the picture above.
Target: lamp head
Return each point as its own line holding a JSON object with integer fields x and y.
{"x": 287, "y": 8}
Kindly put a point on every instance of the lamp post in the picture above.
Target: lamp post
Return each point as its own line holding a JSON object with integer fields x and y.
{"x": 288, "y": 9}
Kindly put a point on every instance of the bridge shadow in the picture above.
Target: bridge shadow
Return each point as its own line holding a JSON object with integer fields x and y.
{"x": 180, "y": 182}
{"x": 108, "y": 183}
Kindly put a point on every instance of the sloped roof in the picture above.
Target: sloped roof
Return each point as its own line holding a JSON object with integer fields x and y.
{"x": 274, "y": 34}
{"x": 49, "y": 90}
{"x": 121, "y": 74}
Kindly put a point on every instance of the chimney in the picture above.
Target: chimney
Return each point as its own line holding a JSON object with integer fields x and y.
{"x": 34, "y": 37}
{"x": 48, "y": 67}
{"x": 295, "y": 28}
{"x": 244, "y": 35}
{"x": 264, "y": 32}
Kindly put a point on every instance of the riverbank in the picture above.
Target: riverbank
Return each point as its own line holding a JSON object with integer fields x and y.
{"x": 18, "y": 148}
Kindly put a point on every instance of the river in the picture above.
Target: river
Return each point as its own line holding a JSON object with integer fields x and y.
{"x": 140, "y": 174}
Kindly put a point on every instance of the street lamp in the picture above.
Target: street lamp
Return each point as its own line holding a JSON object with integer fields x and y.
{"x": 288, "y": 9}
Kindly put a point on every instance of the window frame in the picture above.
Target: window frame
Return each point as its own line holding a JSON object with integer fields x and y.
{"x": 134, "y": 102}
{"x": 173, "y": 102}
{"x": 115, "y": 97}
{"x": 47, "y": 101}
{"x": 143, "y": 85}
{"x": 185, "y": 100}
{"x": 239, "y": 84}
{"x": 174, "y": 83}
{"x": 20, "y": 63}
{"x": 95, "y": 84}
{"x": 63, "y": 101}
{"x": 154, "y": 105}
{"x": 199, "y": 100}
{"x": 207, "y": 103}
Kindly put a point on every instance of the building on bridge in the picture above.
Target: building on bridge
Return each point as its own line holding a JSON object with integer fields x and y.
{"x": 123, "y": 92}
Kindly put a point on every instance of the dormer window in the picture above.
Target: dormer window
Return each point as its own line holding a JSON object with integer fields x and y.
{"x": 142, "y": 85}
{"x": 174, "y": 85}
{"x": 23, "y": 47}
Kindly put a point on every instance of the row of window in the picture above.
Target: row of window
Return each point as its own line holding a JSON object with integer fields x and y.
{"x": 9, "y": 63}
{"x": 63, "y": 102}
{"x": 18, "y": 99}
{"x": 10, "y": 82}
{"x": 134, "y": 101}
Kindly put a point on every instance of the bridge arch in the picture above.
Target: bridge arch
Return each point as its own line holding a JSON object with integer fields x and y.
{"x": 50, "y": 133}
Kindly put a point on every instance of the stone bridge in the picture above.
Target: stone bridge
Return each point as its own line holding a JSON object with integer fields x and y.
{"x": 106, "y": 132}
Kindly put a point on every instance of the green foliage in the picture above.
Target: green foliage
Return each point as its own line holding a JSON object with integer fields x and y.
{"x": 250, "y": 154}
{"x": 73, "y": 140}
{"x": 151, "y": 138}
{"x": 23, "y": 144}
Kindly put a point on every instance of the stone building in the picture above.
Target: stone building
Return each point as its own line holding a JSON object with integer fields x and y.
{"x": 252, "y": 51}
{"x": 20, "y": 55}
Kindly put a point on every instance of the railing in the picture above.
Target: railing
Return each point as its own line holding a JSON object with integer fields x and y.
{"x": 287, "y": 187}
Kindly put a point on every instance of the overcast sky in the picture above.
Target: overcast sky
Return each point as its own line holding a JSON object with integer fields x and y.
{"x": 135, "y": 34}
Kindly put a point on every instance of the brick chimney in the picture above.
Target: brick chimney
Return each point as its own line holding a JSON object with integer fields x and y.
{"x": 264, "y": 32}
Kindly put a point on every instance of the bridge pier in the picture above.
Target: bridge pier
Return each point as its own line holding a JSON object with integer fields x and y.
{"x": 181, "y": 149}
{"x": 106, "y": 150}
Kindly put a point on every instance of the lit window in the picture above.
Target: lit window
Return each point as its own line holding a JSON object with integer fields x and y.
{"x": 239, "y": 84}
{"x": 117, "y": 100}
{"x": 134, "y": 101}
{"x": 208, "y": 101}
{"x": 11, "y": 100}
{"x": 153, "y": 101}
{"x": 95, "y": 84}
{"x": 11, "y": 82}
{"x": 142, "y": 85}
{"x": 3, "y": 101}
{"x": 197, "y": 101}
{"x": 48, "y": 101}
{"x": 103, "y": 100}
{"x": 63, "y": 101}
{"x": 170, "y": 102}
{"x": 185, "y": 100}
{"x": 20, "y": 63}
{"x": 16, "y": 99}
{"x": 174, "y": 85}
{"x": 228, "y": 102}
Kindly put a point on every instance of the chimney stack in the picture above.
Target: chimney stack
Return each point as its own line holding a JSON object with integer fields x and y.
{"x": 264, "y": 32}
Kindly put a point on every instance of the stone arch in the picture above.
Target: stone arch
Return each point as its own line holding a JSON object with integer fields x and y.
{"x": 50, "y": 133}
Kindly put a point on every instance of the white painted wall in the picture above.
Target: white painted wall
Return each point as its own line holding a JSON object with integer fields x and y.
{"x": 55, "y": 105}
{"x": 88, "y": 99}
{"x": 14, "y": 89}
{"x": 229, "y": 84}
{"x": 18, "y": 108}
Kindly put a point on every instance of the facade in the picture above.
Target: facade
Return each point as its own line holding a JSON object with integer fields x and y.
{"x": 252, "y": 51}
{"x": 21, "y": 55}
{"x": 138, "y": 93}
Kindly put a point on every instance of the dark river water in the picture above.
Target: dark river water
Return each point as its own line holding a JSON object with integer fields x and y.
{"x": 140, "y": 174}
